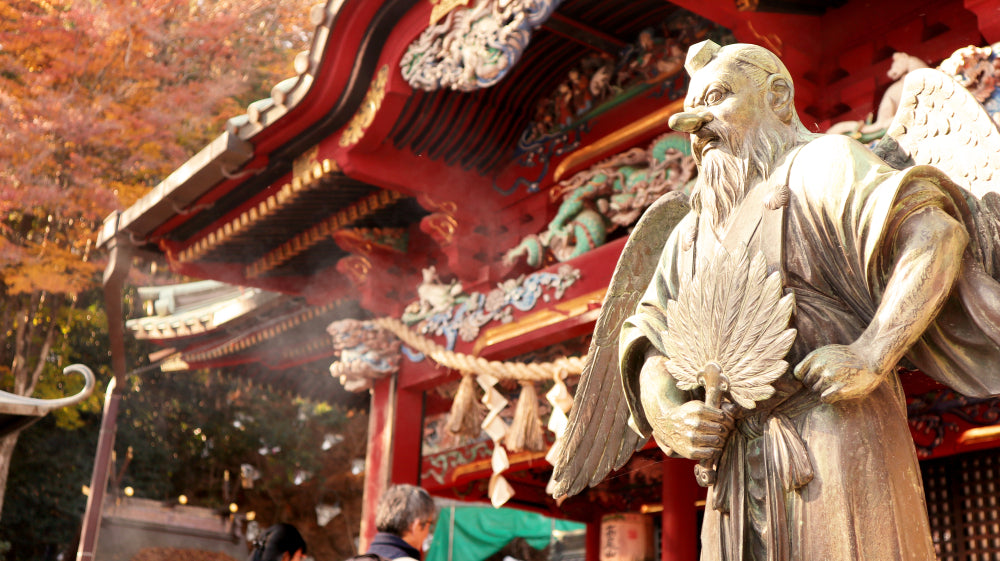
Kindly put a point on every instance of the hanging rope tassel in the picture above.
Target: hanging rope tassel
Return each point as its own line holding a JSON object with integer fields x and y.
{"x": 466, "y": 411}
{"x": 526, "y": 428}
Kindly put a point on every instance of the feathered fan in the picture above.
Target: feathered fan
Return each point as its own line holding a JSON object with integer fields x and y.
{"x": 728, "y": 332}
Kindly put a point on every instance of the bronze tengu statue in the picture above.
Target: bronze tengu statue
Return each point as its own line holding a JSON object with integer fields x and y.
{"x": 758, "y": 328}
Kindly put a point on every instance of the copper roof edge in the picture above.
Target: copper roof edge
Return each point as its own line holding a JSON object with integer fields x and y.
{"x": 232, "y": 149}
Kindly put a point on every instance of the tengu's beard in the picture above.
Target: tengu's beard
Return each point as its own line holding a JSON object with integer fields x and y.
{"x": 727, "y": 172}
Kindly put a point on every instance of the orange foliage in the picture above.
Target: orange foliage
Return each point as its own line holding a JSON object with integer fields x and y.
{"x": 101, "y": 99}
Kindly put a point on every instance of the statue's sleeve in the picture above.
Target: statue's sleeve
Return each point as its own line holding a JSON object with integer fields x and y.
{"x": 640, "y": 330}
{"x": 850, "y": 206}
{"x": 847, "y": 208}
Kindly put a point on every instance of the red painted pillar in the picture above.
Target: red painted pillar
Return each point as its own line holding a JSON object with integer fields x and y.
{"x": 395, "y": 431}
{"x": 680, "y": 518}
{"x": 593, "y": 543}
{"x": 408, "y": 436}
{"x": 378, "y": 458}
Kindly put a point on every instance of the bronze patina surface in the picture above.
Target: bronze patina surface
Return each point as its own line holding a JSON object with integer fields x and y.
{"x": 759, "y": 329}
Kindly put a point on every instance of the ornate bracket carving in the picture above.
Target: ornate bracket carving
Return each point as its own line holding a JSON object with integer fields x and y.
{"x": 934, "y": 414}
{"x": 355, "y": 268}
{"x": 473, "y": 48}
{"x": 367, "y": 353}
{"x": 609, "y": 195}
{"x": 471, "y": 312}
{"x": 440, "y": 224}
{"x": 365, "y": 241}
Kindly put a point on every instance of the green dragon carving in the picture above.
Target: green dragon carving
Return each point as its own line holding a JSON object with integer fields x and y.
{"x": 610, "y": 195}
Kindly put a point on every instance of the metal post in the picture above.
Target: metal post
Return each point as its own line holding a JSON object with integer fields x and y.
{"x": 114, "y": 280}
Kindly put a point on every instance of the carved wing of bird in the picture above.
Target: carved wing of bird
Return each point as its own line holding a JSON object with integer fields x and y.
{"x": 598, "y": 438}
{"x": 940, "y": 123}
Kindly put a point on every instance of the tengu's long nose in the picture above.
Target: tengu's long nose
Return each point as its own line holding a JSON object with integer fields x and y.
{"x": 689, "y": 122}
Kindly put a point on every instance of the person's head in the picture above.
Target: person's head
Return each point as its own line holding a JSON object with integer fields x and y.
{"x": 281, "y": 542}
{"x": 740, "y": 113}
{"x": 406, "y": 511}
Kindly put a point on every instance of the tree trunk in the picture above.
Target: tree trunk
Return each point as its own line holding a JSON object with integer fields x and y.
{"x": 28, "y": 363}
{"x": 6, "y": 452}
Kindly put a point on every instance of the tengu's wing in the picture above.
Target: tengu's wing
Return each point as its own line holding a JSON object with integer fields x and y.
{"x": 598, "y": 438}
{"x": 940, "y": 123}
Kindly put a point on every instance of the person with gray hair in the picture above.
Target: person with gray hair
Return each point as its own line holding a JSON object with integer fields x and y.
{"x": 404, "y": 518}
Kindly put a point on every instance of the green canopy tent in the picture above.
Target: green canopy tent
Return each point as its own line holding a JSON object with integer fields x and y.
{"x": 471, "y": 533}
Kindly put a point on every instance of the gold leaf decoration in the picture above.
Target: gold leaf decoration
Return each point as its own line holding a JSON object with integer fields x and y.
{"x": 443, "y": 7}
{"x": 365, "y": 116}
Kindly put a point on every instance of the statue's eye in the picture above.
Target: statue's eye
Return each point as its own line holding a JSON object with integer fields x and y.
{"x": 714, "y": 96}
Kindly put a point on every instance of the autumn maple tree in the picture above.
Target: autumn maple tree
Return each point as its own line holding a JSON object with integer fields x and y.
{"x": 99, "y": 101}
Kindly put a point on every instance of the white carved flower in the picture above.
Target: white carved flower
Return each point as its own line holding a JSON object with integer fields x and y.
{"x": 468, "y": 330}
{"x": 495, "y": 300}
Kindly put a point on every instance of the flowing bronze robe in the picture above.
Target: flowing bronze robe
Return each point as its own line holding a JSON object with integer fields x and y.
{"x": 800, "y": 479}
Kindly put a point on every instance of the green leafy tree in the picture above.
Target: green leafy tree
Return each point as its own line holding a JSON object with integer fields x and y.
{"x": 188, "y": 430}
{"x": 179, "y": 433}
{"x": 45, "y": 500}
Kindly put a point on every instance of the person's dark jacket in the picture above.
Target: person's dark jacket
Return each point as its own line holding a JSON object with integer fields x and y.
{"x": 392, "y": 547}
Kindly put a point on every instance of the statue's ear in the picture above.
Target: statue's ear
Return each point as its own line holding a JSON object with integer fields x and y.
{"x": 779, "y": 96}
